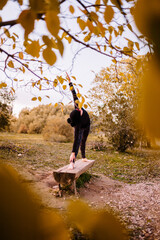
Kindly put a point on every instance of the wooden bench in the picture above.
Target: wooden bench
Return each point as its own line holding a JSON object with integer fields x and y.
{"x": 66, "y": 176}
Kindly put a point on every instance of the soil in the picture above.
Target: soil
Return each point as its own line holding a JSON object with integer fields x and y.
{"x": 138, "y": 204}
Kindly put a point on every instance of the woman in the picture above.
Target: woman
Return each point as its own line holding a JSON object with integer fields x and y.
{"x": 79, "y": 119}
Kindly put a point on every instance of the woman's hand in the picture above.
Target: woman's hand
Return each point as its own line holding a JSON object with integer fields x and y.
{"x": 72, "y": 157}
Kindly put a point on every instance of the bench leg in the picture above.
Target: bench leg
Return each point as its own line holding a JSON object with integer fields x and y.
{"x": 60, "y": 190}
{"x": 75, "y": 189}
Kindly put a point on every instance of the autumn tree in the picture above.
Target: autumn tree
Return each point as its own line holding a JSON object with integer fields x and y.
{"x": 117, "y": 95}
{"x": 34, "y": 120}
{"x": 97, "y": 25}
{"x": 5, "y": 108}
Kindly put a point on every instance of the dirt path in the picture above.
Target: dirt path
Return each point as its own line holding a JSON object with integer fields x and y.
{"x": 138, "y": 204}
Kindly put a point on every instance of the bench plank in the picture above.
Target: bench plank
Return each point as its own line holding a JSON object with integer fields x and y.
{"x": 64, "y": 175}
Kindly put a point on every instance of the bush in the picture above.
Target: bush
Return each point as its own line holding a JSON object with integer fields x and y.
{"x": 122, "y": 138}
{"x": 22, "y": 129}
{"x": 99, "y": 144}
{"x": 58, "y": 130}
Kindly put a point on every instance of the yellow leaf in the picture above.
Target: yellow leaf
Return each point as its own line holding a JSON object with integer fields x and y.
{"x": 56, "y": 105}
{"x": 85, "y": 105}
{"x": 73, "y": 77}
{"x": 13, "y": 90}
{"x": 108, "y": 14}
{"x": 14, "y": 39}
{"x": 82, "y": 24}
{"x": 15, "y": 79}
{"x": 90, "y": 25}
{"x": 10, "y": 64}
{"x": 21, "y": 55}
{"x": 14, "y": 46}
{"x": 94, "y": 16}
{"x": 20, "y": 2}
{"x": 97, "y": 3}
{"x": 40, "y": 99}
{"x": 129, "y": 26}
{"x": 87, "y": 38}
{"x": 64, "y": 34}
{"x": 34, "y": 99}
{"x": 71, "y": 88}
{"x": 102, "y": 29}
{"x": 83, "y": 100}
{"x": 117, "y": 3}
{"x": 2, "y": 40}
{"x": 3, "y": 84}
{"x": 26, "y": 19}
{"x": 53, "y": 6}
{"x": 110, "y": 29}
{"x": 55, "y": 82}
{"x": 60, "y": 46}
{"x": 52, "y": 22}
{"x": 69, "y": 39}
{"x": 110, "y": 39}
{"x": 48, "y": 41}
{"x": 37, "y": 6}
{"x": 137, "y": 45}
{"x": 33, "y": 48}
{"x": 114, "y": 61}
{"x": 16, "y": 35}
{"x": 2, "y": 3}
{"x": 121, "y": 29}
{"x": 130, "y": 44}
{"x": 105, "y": 2}
{"x": 80, "y": 104}
{"x": 23, "y": 69}
{"x": 71, "y": 9}
{"x": 115, "y": 33}
{"x": 49, "y": 56}
{"x": 64, "y": 87}
{"x": 7, "y": 33}
{"x": 61, "y": 80}
{"x": 98, "y": 47}
{"x": 79, "y": 95}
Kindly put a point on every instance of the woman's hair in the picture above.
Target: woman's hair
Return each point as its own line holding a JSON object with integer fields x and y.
{"x": 74, "y": 118}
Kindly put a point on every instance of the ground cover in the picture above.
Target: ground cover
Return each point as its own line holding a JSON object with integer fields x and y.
{"x": 128, "y": 182}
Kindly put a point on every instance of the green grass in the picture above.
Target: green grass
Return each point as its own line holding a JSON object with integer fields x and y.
{"x": 31, "y": 151}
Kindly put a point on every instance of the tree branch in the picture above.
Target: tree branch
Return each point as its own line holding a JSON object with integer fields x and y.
{"x": 84, "y": 44}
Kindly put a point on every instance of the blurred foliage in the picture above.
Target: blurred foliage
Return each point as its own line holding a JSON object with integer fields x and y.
{"x": 95, "y": 224}
{"x": 22, "y": 217}
{"x": 147, "y": 19}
